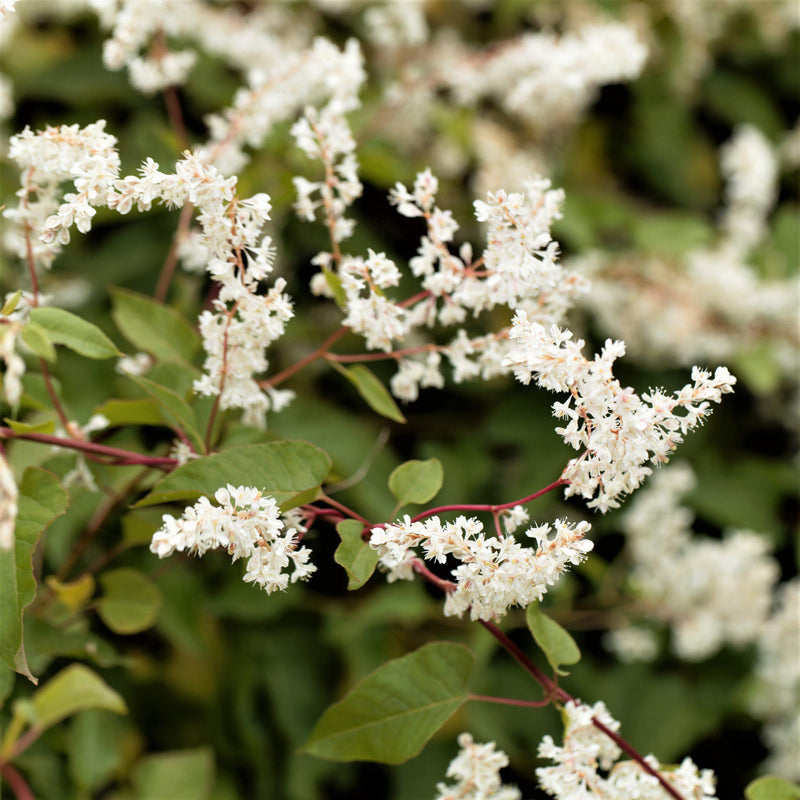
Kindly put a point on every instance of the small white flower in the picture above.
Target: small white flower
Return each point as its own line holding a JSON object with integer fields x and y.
{"x": 9, "y": 495}
{"x": 476, "y": 769}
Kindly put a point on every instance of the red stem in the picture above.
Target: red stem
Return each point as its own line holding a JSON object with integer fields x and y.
{"x": 486, "y": 507}
{"x": 344, "y": 509}
{"x": 556, "y": 692}
{"x": 638, "y": 758}
{"x": 318, "y": 353}
{"x": 421, "y": 569}
{"x": 121, "y": 456}
{"x": 359, "y": 357}
{"x": 17, "y": 783}
{"x": 53, "y": 396}
{"x": 552, "y": 689}
{"x": 171, "y": 261}
{"x": 509, "y": 701}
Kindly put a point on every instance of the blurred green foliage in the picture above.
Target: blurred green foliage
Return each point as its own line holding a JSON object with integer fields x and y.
{"x": 227, "y": 684}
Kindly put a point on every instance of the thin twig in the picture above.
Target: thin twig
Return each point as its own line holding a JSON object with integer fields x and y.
{"x": 171, "y": 261}
{"x": 17, "y": 783}
{"x": 121, "y": 456}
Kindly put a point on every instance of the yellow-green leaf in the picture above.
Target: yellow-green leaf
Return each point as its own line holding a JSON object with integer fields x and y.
{"x": 354, "y": 554}
{"x": 372, "y": 391}
{"x": 48, "y": 426}
{"x": 130, "y": 601}
{"x": 416, "y": 481}
{"x": 75, "y": 688}
{"x": 36, "y": 339}
{"x": 175, "y": 775}
{"x": 555, "y": 642}
{"x": 11, "y": 303}
{"x": 63, "y": 327}
{"x": 75, "y": 594}
{"x": 771, "y": 787}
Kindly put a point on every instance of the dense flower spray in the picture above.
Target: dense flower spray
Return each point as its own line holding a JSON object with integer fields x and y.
{"x": 493, "y": 573}
{"x": 247, "y": 525}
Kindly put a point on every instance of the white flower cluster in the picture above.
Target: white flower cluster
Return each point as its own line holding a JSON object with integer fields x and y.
{"x": 85, "y": 156}
{"x": 711, "y": 303}
{"x": 14, "y": 363}
{"x": 618, "y": 431}
{"x": 493, "y": 574}
{"x": 309, "y": 76}
{"x": 548, "y": 80}
{"x": 9, "y": 495}
{"x": 396, "y": 25}
{"x": 518, "y": 269}
{"x": 326, "y": 136}
{"x": 711, "y": 592}
{"x": 247, "y": 525}
{"x": 369, "y": 312}
{"x": 235, "y": 251}
{"x": 243, "y": 323}
{"x": 133, "y": 24}
{"x": 18, "y": 306}
{"x": 521, "y": 257}
{"x": 632, "y": 643}
{"x": 776, "y": 698}
{"x": 476, "y": 769}
{"x": 6, "y": 7}
{"x": 587, "y": 753}
{"x": 750, "y": 169}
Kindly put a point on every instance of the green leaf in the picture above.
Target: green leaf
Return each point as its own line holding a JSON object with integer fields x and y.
{"x": 138, "y": 527}
{"x": 75, "y": 688}
{"x": 131, "y": 412}
{"x": 284, "y": 470}
{"x": 178, "y": 775}
{"x": 335, "y": 284}
{"x": 354, "y": 554}
{"x": 372, "y": 391}
{"x": 176, "y": 409}
{"x": 131, "y": 601}
{"x": 416, "y": 481}
{"x": 153, "y": 327}
{"x": 63, "y": 327}
{"x": 24, "y": 427}
{"x": 11, "y": 303}
{"x": 41, "y": 500}
{"x": 98, "y": 745}
{"x": 36, "y": 339}
{"x": 7, "y": 678}
{"x": 75, "y": 594}
{"x": 555, "y": 642}
{"x": 393, "y": 712}
{"x": 771, "y": 787}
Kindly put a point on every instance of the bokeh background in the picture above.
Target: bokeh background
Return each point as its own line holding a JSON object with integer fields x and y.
{"x": 229, "y": 682}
